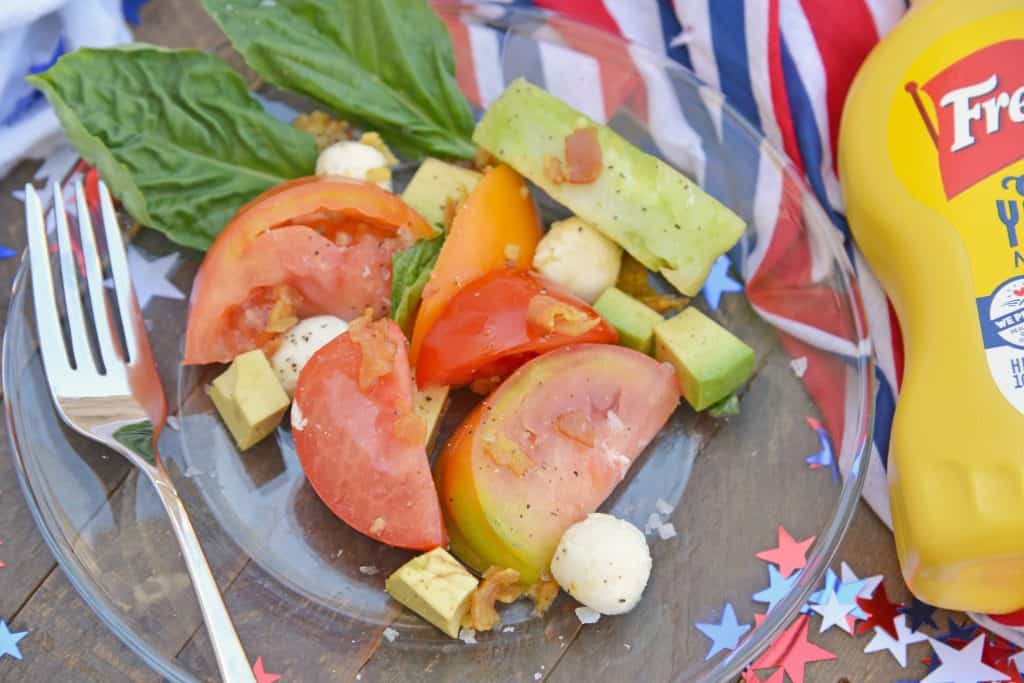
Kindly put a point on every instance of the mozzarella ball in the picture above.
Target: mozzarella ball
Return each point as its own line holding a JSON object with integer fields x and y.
{"x": 578, "y": 257}
{"x": 299, "y": 345}
{"x": 604, "y": 563}
{"x": 352, "y": 160}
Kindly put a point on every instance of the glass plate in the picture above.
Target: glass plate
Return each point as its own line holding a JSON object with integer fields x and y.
{"x": 307, "y": 592}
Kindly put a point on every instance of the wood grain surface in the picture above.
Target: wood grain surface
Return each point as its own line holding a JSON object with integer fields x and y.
{"x": 68, "y": 643}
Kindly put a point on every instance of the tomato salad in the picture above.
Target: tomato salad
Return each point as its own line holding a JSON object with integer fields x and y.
{"x": 366, "y": 308}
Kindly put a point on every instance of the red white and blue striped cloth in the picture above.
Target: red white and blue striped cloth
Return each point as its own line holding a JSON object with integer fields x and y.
{"x": 786, "y": 66}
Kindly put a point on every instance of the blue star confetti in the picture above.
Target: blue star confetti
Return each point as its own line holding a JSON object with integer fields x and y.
{"x": 831, "y": 585}
{"x": 724, "y": 635}
{"x": 777, "y": 589}
{"x": 824, "y": 457}
{"x": 919, "y": 614}
{"x": 719, "y": 282}
{"x": 6, "y": 253}
{"x": 963, "y": 632}
{"x": 9, "y": 641}
{"x": 131, "y": 9}
{"x": 848, "y": 594}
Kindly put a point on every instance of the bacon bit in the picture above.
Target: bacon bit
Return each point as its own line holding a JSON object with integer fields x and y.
{"x": 576, "y": 425}
{"x": 324, "y": 129}
{"x": 583, "y": 156}
{"x": 377, "y": 528}
{"x": 543, "y": 593}
{"x": 633, "y": 280}
{"x": 498, "y": 585}
{"x": 378, "y": 351}
{"x": 554, "y": 170}
{"x": 410, "y": 428}
{"x": 552, "y": 315}
{"x": 504, "y": 452}
{"x": 485, "y": 385}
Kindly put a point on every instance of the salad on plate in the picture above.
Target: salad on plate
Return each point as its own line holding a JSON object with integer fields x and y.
{"x": 346, "y": 309}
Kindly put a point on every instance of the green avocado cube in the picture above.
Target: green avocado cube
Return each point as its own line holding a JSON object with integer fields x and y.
{"x": 436, "y": 587}
{"x": 710, "y": 360}
{"x": 631, "y": 319}
{"x": 249, "y": 398}
{"x": 434, "y": 183}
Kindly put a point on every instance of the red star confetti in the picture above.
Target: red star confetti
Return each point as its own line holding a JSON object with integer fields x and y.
{"x": 750, "y": 677}
{"x": 997, "y": 653}
{"x": 261, "y": 675}
{"x": 792, "y": 651}
{"x": 789, "y": 555}
{"x": 880, "y": 611}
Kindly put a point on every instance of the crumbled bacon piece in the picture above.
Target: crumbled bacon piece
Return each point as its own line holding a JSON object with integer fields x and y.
{"x": 378, "y": 351}
{"x": 576, "y": 425}
{"x": 498, "y": 585}
{"x": 549, "y": 314}
{"x": 543, "y": 593}
{"x": 583, "y": 156}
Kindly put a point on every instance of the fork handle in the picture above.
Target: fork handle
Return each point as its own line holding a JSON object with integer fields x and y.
{"x": 227, "y": 648}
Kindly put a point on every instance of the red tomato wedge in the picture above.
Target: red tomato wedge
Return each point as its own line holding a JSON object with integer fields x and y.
{"x": 309, "y": 246}
{"x": 497, "y": 225}
{"x": 501, "y": 320}
{"x": 546, "y": 449}
{"x": 360, "y": 440}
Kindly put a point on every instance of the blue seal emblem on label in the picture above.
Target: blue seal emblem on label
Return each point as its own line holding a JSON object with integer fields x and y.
{"x": 1006, "y": 312}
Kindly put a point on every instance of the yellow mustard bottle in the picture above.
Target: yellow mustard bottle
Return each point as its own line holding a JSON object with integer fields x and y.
{"x": 931, "y": 162}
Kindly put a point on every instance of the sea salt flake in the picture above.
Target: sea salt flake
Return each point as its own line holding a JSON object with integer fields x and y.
{"x": 508, "y": 629}
{"x": 468, "y": 636}
{"x": 663, "y": 507}
{"x": 653, "y": 522}
{"x": 799, "y": 366}
{"x": 667, "y": 531}
{"x": 391, "y": 634}
{"x": 537, "y": 676}
{"x": 368, "y": 569}
{"x": 587, "y": 615}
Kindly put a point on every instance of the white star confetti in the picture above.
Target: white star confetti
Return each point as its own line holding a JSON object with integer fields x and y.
{"x": 962, "y": 666}
{"x": 897, "y": 647}
{"x": 834, "y": 613}
{"x": 151, "y": 277}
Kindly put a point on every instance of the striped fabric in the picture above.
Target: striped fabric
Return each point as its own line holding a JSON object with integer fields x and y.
{"x": 786, "y": 66}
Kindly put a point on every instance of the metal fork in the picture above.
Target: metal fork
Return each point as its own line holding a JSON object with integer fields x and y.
{"x": 97, "y": 399}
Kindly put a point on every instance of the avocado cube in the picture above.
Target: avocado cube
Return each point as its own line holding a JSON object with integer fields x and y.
{"x": 710, "y": 360}
{"x": 436, "y": 587}
{"x": 430, "y": 403}
{"x": 434, "y": 183}
{"x": 631, "y": 319}
{"x": 249, "y": 398}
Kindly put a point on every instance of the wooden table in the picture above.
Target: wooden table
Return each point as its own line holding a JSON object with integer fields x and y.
{"x": 67, "y": 642}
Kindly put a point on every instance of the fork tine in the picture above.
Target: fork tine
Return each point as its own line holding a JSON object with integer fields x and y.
{"x": 126, "y": 303}
{"x": 69, "y": 280}
{"x": 94, "y": 278}
{"x": 51, "y": 339}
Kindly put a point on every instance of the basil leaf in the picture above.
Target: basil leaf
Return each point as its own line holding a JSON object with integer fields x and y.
{"x": 138, "y": 437}
{"x": 384, "y": 64}
{"x": 174, "y": 133}
{"x": 727, "y": 407}
{"x": 410, "y": 270}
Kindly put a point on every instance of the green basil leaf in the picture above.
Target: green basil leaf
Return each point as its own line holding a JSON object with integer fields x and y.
{"x": 383, "y": 64}
{"x": 727, "y": 407}
{"x": 175, "y": 134}
{"x": 410, "y": 270}
{"x": 138, "y": 437}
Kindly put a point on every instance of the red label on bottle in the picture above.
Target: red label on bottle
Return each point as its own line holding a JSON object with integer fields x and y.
{"x": 979, "y": 102}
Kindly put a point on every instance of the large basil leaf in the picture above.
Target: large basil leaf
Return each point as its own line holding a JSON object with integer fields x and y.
{"x": 384, "y": 64}
{"x": 174, "y": 133}
{"x": 410, "y": 270}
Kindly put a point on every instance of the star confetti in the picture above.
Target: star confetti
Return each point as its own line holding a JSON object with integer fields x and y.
{"x": 851, "y": 579}
{"x": 719, "y": 282}
{"x": 920, "y": 613}
{"x": 793, "y": 652}
{"x": 9, "y": 641}
{"x": 897, "y": 647}
{"x": 831, "y": 585}
{"x": 750, "y": 677}
{"x": 834, "y": 613}
{"x": 998, "y": 653}
{"x": 962, "y": 666}
{"x": 880, "y": 611}
{"x": 261, "y": 675}
{"x": 789, "y": 555}
{"x": 7, "y": 253}
{"x": 151, "y": 278}
{"x": 824, "y": 457}
{"x": 724, "y": 635}
{"x": 777, "y": 589}
{"x": 958, "y": 634}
